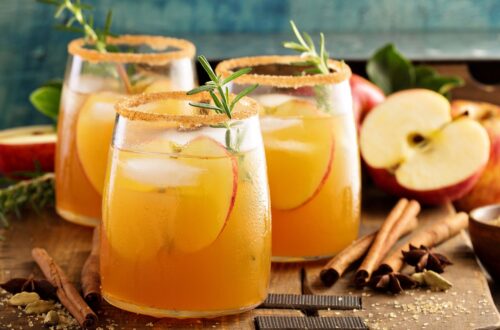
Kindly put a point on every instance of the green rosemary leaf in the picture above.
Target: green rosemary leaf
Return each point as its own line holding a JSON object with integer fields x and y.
{"x": 309, "y": 41}
{"x": 107, "y": 24}
{"x": 294, "y": 46}
{"x": 216, "y": 100}
{"x": 203, "y": 88}
{"x": 204, "y": 106}
{"x": 243, "y": 93}
{"x": 236, "y": 75}
{"x": 208, "y": 69}
{"x": 60, "y": 9}
{"x": 73, "y": 29}
{"x": 297, "y": 34}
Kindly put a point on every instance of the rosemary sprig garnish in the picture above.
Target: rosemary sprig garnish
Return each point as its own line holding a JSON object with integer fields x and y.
{"x": 36, "y": 193}
{"x": 222, "y": 103}
{"x": 305, "y": 45}
{"x": 315, "y": 63}
{"x": 80, "y": 22}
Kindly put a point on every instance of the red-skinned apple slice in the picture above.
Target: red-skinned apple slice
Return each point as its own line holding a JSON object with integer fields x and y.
{"x": 299, "y": 145}
{"x": 22, "y": 148}
{"x": 486, "y": 190}
{"x": 197, "y": 190}
{"x": 413, "y": 148}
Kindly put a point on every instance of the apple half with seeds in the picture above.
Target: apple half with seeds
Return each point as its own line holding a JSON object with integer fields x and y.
{"x": 414, "y": 148}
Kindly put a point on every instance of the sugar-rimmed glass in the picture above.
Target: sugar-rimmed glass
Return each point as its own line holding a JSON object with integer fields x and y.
{"x": 94, "y": 81}
{"x": 312, "y": 153}
{"x": 186, "y": 212}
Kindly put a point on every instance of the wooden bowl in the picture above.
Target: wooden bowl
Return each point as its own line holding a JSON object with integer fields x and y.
{"x": 485, "y": 237}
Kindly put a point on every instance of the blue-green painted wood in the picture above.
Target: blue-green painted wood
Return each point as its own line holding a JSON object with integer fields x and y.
{"x": 32, "y": 52}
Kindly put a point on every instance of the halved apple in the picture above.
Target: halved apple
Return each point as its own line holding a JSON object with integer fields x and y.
{"x": 24, "y": 148}
{"x": 94, "y": 130}
{"x": 187, "y": 199}
{"x": 413, "y": 148}
{"x": 299, "y": 147}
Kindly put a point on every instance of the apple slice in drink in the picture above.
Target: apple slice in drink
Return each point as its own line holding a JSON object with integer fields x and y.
{"x": 299, "y": 146}
{"x": 22, "y": 148}
{"x": 94, "y": 130}
{"x": 413, "y": 148}
{"x": 188, "y": 198}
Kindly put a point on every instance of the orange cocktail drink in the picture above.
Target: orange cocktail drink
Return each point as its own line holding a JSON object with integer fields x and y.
{"x": 312, "y": 154}
{"x": 94, "y": 82}
{"x": 186, "y": 218}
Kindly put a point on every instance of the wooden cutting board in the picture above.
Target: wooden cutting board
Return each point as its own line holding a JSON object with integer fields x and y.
{"x": 468, "y": 305}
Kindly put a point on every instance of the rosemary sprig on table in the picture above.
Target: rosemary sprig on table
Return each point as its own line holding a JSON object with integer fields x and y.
{"x": 222, "y": 102}
{"x": 36, "y": 193}
{"x": 316, "y": 63}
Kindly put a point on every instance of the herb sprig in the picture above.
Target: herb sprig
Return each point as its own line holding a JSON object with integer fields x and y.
{"x": 315, "y": 63}
{"x": 305, "y": 45}
{"x": 36, "y": 193}
{"x": 81, "y": 22}
{"x": 222, "y": 102}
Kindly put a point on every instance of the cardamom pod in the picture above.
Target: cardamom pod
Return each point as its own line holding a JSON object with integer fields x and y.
{"x": 432, "y": 279}
{"x": 23, "y": 298}
{"x": 51, "y": 319}
{"x": 39, "y": 307}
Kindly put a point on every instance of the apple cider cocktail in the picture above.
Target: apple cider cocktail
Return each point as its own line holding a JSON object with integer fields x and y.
{"x": 94, "y": 82}
{"x": 186, "y": 215}
{"x": 311, "y": 151}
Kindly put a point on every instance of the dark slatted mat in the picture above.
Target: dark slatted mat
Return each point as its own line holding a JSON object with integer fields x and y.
{"x": 308, "y": 301}
{"x": 292, "y": 323}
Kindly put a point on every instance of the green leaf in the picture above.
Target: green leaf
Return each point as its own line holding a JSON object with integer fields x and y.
{"x": 205, "y": 106}
{"x": 46, "y": 99}
{"x": 294, "y": 46}
{"x": 243, "y": 93}
{"x": 236, "y": 75}
{"x": 107, "y": 24}
{"x": 208, "y": 69}
{"x": 204, "y": 88}
{"x": 390, "y": 70}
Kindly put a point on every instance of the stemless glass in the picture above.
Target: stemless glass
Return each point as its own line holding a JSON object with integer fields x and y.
{"x": 93, "y": 82}
{"x": 312, "y": 153}
{"x": 186, "y": 213}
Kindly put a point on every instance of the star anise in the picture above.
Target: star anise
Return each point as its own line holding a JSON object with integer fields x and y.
{"x": 424, "y": 258}
{"x": 393, "y": 282}
{"x": 43, "y": 287}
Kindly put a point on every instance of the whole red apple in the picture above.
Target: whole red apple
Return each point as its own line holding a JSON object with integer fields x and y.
{"x": 22, "y": 149}
{"x": 487, "y": 189}
{"x": 365, "y": 96}
{"x": 414, "y": 148}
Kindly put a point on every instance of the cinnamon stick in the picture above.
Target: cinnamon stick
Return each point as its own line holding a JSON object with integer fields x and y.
{"x": 389, "y": 233}
{"x": 336, "y": 267}
{"x": 91, "y": 281}
{"x": 66, "y": 292}
{"x": 438, "y": 232}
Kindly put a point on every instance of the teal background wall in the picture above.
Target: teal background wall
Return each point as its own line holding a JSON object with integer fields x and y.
{"x": 31, "y": 52}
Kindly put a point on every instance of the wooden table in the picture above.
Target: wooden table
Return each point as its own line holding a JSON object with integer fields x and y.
{"x": 468, "y": 305}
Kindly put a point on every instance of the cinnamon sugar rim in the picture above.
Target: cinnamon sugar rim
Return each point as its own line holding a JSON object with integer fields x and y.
{"x": 341, "y": 72}
{"x": 185, "y": 49}
{"x": 128, "y": 108}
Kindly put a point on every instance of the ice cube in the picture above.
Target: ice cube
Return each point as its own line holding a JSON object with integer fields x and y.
{"x": 273, "y": 100}
{"x": 161, "y": 172}
{"x": 271, "y": 124}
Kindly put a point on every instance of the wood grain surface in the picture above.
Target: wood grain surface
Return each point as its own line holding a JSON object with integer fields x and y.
{"x": 468, "y": 305}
